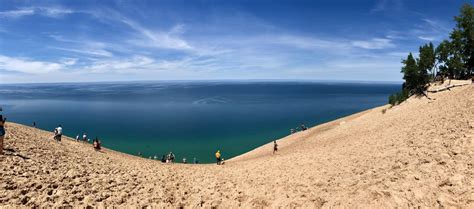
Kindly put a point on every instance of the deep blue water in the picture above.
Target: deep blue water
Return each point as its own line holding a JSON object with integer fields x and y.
{"x": 192, "y": 119}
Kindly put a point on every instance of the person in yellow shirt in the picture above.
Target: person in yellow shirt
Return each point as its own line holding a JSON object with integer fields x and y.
{"x": 218, "y": 157}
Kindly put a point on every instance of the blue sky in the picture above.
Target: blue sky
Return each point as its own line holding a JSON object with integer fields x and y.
{"x": 76, "y": 41}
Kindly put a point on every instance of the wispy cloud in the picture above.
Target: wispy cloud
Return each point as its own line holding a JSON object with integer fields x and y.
{"x": 430, "y": 30}
{"x": 85, "y": 47}
{"x": 25, "y": 65}
{"x": 436, "y": 25}
{"x": 382, "y": 5}
{"x": 115, "y": 45}
{"x": 146, "y": 37}
{"x": 427, "y": 38}
{"x": 69, "y": 61}
{"x": 314, "y": 43}
{"x": 120, "y": 65}
{"x": 45, "y": 11}
{"x": 87, "y": 51}
{"x": 159, "y": 39}
{"x": 17, "y": 13}
{"x": 375, "y": 43}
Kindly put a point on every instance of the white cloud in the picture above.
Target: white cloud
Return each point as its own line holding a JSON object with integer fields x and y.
{"x": 427, "y": 38}
{"x": 85, "y": 47}
{"x": 430, "y": 30}
{"x": 310, "y": 42}
{"x": 398, "y": 54}
{"x": 124, "y": 65}
{"x": 436, "y": 25}
{"x": 258, "y": 55}
{"x": 158, "y": 39}
{"x": 17, "y": 13}
{"x": 28, "y": 66}
{"x": 146, "y": 37}
{"x": 69, "y": 61}
{"x": 375, "y": 43}
{"x": 54, "y": 12}
{"x": 89, "y": 51}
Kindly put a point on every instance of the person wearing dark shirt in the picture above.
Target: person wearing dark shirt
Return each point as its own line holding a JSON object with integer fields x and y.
{"x": 2, "y": 131}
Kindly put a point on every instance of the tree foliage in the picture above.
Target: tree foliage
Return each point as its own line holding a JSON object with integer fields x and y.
{"x": 456, "y": 55}
{"x": 414, "y": 74}
{"x": 454, "y": 58}
{"x": 427, "y": 59}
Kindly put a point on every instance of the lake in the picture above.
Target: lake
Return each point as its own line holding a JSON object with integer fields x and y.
{"x": 191, "y": 118}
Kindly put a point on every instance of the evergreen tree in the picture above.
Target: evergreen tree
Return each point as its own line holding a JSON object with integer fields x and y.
{"x": 463, "y": 41}
{"x": 456, "y": 56}
{"x": 415, "y": 77}
{"x": 426, "y": 61}
{"x": 443, "y": 52}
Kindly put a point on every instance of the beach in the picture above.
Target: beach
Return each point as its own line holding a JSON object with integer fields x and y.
{"x": 416, "y": 154}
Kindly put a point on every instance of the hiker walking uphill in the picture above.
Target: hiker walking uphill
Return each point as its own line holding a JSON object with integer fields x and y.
{"x": 275, "y": 146}
{"x": 2, "y": 131}
{"x": 218, "y": 157}
{"x": 58, "y": 132}
{"x": 84, "y": 137}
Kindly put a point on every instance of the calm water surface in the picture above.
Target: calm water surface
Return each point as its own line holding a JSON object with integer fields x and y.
{"x": 192, "y": 119}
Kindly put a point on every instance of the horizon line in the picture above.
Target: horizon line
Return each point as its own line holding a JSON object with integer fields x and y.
{"x": 214, "y": 80}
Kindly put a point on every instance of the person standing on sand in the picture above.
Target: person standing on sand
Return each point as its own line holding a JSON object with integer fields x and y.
{"x": 84, "y": 137}
{"x": 59, "y": 133}
{"x": 2, "y": 131}
{"x": 275, "y": 146}
{"x": 218, "y": 157}
{"x": 172, "y": 157}
{"x": 96, "y": 144}
{"x": 303, "y": 127}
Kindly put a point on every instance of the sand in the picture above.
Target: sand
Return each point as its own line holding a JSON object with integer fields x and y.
{"x": 419, "y": 153}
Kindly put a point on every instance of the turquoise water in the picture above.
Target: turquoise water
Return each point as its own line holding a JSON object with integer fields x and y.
{"x": 192, "y": 119}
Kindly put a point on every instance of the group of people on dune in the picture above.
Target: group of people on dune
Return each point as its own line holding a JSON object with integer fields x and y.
{"x": 58, "y": 132}
{"x": 169, "y": 158}
{"x": 302, "y": 127}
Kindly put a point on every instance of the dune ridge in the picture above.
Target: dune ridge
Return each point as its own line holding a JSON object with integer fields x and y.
{"x": 419, "y": 153}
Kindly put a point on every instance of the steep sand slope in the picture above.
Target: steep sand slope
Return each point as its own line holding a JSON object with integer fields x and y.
{"x": 419, "y": 153}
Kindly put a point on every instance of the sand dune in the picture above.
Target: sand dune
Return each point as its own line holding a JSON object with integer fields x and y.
{"x": 419, "y": 153}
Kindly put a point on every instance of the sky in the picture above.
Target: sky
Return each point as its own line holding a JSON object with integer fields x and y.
{"x": 88, "y": 41}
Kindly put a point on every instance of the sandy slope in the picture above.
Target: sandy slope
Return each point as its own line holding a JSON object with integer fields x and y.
{"x": 419, "y": 153}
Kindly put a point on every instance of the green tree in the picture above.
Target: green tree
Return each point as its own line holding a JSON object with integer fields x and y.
{"x": 415, "y": 76}
{"x": 427, "y": 60}
{"x": 453, "y": 58}
{"x": 462, "y": 38}
{"x": 456, "y": 56}
{"x": 443, "y": 52}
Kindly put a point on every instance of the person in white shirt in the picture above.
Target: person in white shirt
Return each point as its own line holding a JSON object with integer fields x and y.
{"x": 58, "y": 133}
{"x": 84, "y": 137}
